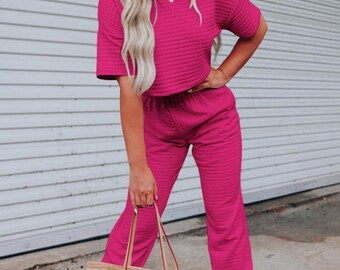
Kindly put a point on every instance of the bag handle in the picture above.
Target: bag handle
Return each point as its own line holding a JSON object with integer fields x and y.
{"x": 161, "y": 230}
{"x": 162, "y": 233}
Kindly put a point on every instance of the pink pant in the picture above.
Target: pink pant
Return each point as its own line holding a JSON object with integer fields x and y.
{"x": 210, "y": 122}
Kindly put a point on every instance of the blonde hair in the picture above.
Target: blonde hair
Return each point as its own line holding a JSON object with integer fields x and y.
{"x": 139, "y": 41}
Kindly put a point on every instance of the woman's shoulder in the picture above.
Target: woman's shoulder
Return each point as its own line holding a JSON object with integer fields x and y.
{"x": 226, "y": 3}
{"x": 112, "y": 8}
{"x": 225, "y": 7}
{"x": 115, "y": 3}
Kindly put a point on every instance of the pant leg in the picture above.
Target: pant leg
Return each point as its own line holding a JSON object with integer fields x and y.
{"x": 217, "y": 150}
{"x": 166, "y": 152}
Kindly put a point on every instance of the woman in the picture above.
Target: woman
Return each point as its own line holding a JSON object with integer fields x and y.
{"x": 159, "y": 51}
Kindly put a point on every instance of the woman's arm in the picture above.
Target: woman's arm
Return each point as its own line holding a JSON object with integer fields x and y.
{"x": 240, "y": 54}
{"x": 131, "y": 113}
{"x": 244, "y": 48}
{"x": 142, "y": 183}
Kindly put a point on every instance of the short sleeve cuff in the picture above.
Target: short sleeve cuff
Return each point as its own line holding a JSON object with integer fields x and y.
{"x": 109, "y": 60}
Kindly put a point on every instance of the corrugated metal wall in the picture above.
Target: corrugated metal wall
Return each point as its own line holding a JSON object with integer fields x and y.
{"x": 288, "y": 99}
{"x": 63, "y": 165}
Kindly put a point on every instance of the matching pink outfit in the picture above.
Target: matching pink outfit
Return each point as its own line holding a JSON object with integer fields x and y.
{"x": 174, "y": 119}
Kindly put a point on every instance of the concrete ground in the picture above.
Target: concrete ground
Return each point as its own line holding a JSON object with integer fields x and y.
{"x": 294, "y": 232}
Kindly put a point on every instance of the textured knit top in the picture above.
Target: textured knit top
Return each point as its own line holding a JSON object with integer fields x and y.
{"x": 182, "y": 52}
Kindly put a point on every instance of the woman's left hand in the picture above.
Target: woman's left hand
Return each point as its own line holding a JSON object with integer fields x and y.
{"x": 215, "y": 79}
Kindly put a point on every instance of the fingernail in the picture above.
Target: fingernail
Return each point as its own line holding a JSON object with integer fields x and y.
{"x": 190, "y": 91}
{"x": 157, "y": 198}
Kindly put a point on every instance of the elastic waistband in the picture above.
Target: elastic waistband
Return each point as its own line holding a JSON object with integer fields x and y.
{"x": 177, "y": 99}
{"x": 169, "y": 101}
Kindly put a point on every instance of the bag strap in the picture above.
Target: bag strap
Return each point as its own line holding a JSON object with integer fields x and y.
{"x": 161, "y": 230}
{"x": 161, "y": 234}
{"x": 129, "y": 249}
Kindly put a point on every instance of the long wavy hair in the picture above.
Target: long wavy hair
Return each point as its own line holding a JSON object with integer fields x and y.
{"x": 139, "y": 41}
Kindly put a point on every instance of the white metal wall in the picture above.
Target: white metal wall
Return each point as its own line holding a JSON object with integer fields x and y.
{"x": 288, "y": 99}
{"x": 63, "y": 169}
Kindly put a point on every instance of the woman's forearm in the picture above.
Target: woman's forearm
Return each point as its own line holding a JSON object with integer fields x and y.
{"x": 132, "y": 119}
{"x": 244, "y": 48}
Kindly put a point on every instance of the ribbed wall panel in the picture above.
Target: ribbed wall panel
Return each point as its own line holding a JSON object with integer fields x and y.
{"x": 63, "y": 165}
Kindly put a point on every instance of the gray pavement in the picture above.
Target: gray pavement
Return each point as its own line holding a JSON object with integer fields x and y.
{"x": 295, "y": 232}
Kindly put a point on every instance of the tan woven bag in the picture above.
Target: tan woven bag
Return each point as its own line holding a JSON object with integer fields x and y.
{"x": 96, "y": 265}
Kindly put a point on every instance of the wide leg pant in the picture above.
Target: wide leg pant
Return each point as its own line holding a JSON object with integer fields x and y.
{"x": 208, "y": 120}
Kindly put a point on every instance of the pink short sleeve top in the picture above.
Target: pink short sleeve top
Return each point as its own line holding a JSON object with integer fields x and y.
{"x": 182, "y": 52}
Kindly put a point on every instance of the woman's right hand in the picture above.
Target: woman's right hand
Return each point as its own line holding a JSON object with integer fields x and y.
{"x": 143, "y": 189}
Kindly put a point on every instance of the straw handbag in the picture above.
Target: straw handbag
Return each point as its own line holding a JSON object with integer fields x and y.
{"x": 92, "y": 265}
